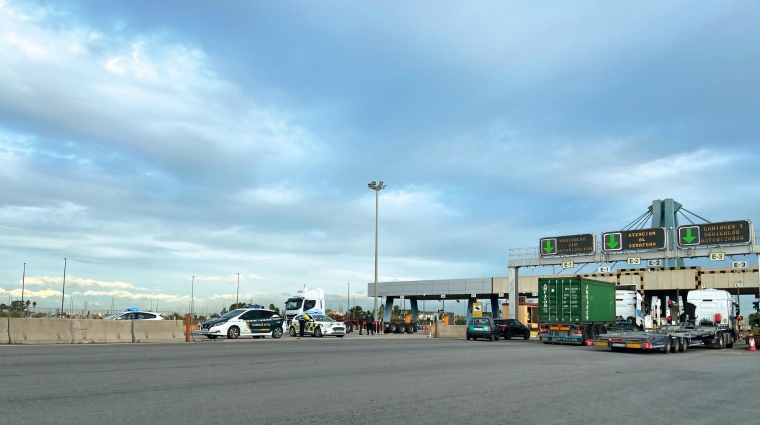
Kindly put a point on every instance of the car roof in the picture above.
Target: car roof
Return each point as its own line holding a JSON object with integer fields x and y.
{"x": 140, "y": 311}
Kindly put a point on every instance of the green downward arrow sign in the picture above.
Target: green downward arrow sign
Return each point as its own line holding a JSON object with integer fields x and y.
{"x": 688, "y": 238}
{"x": 611, "y": 241}
{"x": 548, "y": 248}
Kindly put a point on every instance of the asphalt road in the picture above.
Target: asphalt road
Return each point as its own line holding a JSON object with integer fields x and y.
{"x": 373, "y": 380}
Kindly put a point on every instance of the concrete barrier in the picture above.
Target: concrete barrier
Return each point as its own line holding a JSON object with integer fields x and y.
{"x": 93, "y": 331}
{"x": 4, "y": 336}
{"x": 39, "y": 331}
{"x": 158, "y": 331}
{"x": 452, "y": 331}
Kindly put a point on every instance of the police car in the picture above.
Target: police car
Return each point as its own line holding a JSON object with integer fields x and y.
{"x": 256, "y": 322}
{"x": 318, "y": 325}
{"x": 134, "y": 313}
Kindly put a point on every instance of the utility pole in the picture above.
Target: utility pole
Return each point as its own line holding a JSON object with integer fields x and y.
{"x": 63, "y": 292}
{"x": 23, "y": 284}
{"x": 237, "y": 296}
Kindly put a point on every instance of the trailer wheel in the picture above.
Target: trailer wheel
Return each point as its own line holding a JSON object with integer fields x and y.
{"x": 602, "y": 329}
{"x": 721, "y": 341}
{"x": 392, "y": 328}
{"x": 677, "y": 345}
{"x": 595, "y": 331}
{"x": 410, "y": 328}
{"x": 683, "y": 346}
{"x": 668, "y": 346}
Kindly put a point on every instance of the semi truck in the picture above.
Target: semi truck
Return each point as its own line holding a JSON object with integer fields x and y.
{"x": 574, "y": 309}
{"x": 707, "y": 321}
{"x": 303, "y": 300}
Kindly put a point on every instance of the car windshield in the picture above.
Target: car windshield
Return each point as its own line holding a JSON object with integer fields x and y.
{"x": 320, "y": 318}
{"x": 231, "y": 314}
{"x": 294, "y": 303}
{"x": 113, "y": 316}
{"x": 479, "y": 322}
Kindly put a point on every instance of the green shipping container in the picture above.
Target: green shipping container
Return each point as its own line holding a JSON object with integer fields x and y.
{"x": 575, "y": 300}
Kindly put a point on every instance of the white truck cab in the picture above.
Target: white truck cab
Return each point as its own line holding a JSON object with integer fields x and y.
{"x": 628, "y": 306}
{"x": 303, "y": 300}
{"x": 710, "y": 306}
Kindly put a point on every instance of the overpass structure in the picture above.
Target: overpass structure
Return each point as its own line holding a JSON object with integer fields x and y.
{"x": 672, "y": 282}
{"x": 657, "y": 254}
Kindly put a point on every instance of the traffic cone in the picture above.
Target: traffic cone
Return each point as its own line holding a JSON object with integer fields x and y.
{"x": 751, "y": 343}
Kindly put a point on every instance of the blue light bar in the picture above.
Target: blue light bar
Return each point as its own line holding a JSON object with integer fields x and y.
{"x": 132, "y": 309}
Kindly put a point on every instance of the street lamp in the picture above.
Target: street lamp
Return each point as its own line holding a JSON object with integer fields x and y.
{"x": 348, "y": 300}
{"x": 377, "y": 187}
{"x": 192, "y": 298}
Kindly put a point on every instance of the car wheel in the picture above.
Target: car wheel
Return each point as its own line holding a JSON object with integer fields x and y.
{"x": 468, "y": 337}
{"x": 496, "y": 337}
{"x": 233, "y": 332}
{"x": 211, "y": 336}
{"x": 509, "y": 334}
{"x": 349, "y": 328}
{"x": 526, "y": 334}
{"x": 277, "y": 332}
{"x": 318, "y": 332}
{"x": 292, "y": 331}
{"x": 474, "y": 338}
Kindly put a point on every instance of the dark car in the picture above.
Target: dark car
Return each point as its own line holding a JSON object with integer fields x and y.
{"x": 482, "y": 327}
{"x": 509, "y": 328}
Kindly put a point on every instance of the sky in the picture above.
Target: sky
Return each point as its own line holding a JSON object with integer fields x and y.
{"x": 149, "y": 142}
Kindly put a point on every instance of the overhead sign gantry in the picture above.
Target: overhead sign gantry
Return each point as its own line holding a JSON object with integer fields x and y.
{"x": 714, "y": 240}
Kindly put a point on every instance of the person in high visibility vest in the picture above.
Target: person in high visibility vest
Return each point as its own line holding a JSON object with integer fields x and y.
{"x": 302, "y": 322}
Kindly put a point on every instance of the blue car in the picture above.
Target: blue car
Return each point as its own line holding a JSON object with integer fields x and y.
{"x": 482, "y": 327}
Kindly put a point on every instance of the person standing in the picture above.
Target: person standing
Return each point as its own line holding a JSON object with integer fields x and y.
{"x": 302, "y": 322}
{"x": 369, "y": 325}
{"x": 361, "y": 323}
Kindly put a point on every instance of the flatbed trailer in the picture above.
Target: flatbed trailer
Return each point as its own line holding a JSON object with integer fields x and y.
{"x": 669, "y": 339}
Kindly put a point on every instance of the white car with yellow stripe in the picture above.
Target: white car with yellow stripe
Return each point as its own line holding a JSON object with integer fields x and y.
{"x": 317, "y": 325}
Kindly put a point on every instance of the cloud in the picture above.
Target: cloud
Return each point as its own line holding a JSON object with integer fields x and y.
{"x": 229, "y": 278}
{"x": 243, "y": 297}
{"x": 76, "y": 282}
{"x": 133, "y": 296}
{"x": 28, "y": 294}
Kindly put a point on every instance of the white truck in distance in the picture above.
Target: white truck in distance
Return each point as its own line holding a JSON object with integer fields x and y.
{"x": 304, "y": 300}
{"x": 628, "y": 306}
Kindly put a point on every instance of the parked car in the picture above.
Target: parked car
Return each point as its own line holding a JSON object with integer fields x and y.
{"x": 482, "y": 327}
{"x": 509, "y": 328}
{"x": 254, "y": 322}
{"x": 134, "y": 314}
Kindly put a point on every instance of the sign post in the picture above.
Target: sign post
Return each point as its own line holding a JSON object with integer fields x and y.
{"x": 567, "y": 245}
{"x": 633, "y": 240}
